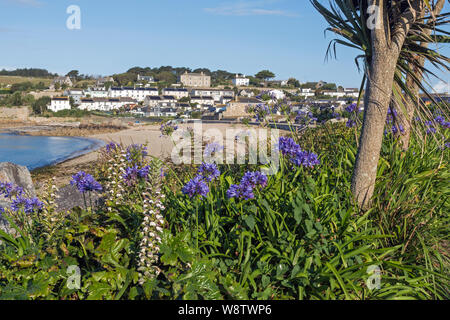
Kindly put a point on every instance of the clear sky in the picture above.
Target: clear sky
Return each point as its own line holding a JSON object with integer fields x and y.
{"x": 245, "y": 36}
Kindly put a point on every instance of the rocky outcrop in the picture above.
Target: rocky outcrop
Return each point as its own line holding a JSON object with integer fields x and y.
{"x": 18, "y": 175}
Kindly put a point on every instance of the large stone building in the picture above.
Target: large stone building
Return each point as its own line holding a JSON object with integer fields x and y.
{"x": 195, "y": 80}
{"x": 238, "y": 108}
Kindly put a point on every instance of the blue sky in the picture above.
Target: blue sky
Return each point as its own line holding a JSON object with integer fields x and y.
{"x": 245, "y": 36}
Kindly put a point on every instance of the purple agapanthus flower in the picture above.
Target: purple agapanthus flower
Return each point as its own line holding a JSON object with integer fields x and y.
{"x": 254, "y": 179}
{"x": 396, "y": 129}
{"x": 196, "y": 187}
{"x": 8, "y": 190}
{"x": 27, "y": 205}
{"x": 350, "y": 123}
{"x": 305, "y": 159}
{"x": 297, "y": 156}
{"x": 85, "y": 182}
{"x": 212, "y": 148}
{"x": 136, "y": 152}
{"x": 209, "y": 171}
{"x": 352, "y": 108}
{"x": 430, "y": 127}
{"x": 111, "y": 147}
{"x": 167, "y": 129}
{"x": 241, "y": 191}
{"x": 440, "y": 120}
{"x": 249, "y": 182}
{"x": 287, "y": 146}
{"x": 132, "y": 174}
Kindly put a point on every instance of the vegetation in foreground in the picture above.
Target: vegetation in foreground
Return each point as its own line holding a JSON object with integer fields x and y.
{"x": 230, "y": 232}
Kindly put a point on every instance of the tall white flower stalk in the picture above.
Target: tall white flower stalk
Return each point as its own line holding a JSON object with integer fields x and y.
{"x": 50, "y": 218}
{"x": 115, "y": 186}
{"x": 151, "y": 229}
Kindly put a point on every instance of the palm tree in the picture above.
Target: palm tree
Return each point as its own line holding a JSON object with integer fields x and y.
{"x": 390, "y": 41}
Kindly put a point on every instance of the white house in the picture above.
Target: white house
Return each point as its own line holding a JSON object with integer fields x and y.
{"x": 59, "y": 103}
{"x": 176, "y": 92}
{"x": 225, "y": 100}
{"x": 161, "y": 112}
{"x": 105, "y": 104}
{"x": 97, "y": 93}
{"x": 216, "y": 94}
{"x": 138, "y": 94}
{"x": 152, "y": 101}
{"x": 75, "y": 94}
{"x": 203, "y": 101}
{"x": 241, "y": 81}
{"x": 145, "y": 78}
{"x": 333, "y": 93}
{"x": 277, "y": 94}
{"x": 165, "y": 101}
{"x": 306, "y": 92}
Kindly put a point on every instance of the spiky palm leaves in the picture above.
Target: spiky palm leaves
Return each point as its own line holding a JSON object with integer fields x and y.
{"x": 349, "y": 20}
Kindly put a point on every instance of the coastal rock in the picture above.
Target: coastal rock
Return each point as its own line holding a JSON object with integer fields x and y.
{"x": 69, "y": 197}
{"x": 19, "y": 175}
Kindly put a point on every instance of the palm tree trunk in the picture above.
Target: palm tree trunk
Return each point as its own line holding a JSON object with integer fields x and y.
{"x": 376, "y": 104}
{"x": 406, "y": 116}
{"x": 386, "y": 46}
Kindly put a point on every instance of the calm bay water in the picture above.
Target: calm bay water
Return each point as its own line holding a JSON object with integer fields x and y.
{"x": 36, "y": 152}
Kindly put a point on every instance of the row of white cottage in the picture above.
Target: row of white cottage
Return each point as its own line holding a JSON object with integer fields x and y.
{"x": 102, "y": 104}
{"x": 140, "y": 94}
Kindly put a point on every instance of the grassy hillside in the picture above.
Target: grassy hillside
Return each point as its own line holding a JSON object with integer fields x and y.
{"x": 9, "y": 80}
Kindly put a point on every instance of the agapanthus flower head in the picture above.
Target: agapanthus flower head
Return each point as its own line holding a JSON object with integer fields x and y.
{"x": 133, "y": 173}
{"x": 430, "y": 128}
{"x": 439, "y": 119}
{"x": 350, "y": 123}
{"x": 397, "y": 128}
{"x": 136, "y": 153}
{"x": 336, "y": 115}
{"x": 352, "y": 108}
{"x": 250, "y": 181}
{"x": 287, "y": 146}
{"x": 112, "y": 147}
{"x": 27, "y": 205}
{"x": 254, "y": 179}
{"x": 8, "y": 190}
{"x": 196, "y": 187}
{"x": 241, "y": 191}
{"x": 305, "y": 159}
{"x": 167, "y": 129}
{"x": 209, "y": 171}
{"x": 84, "y": 182}
{"x": 212, "y": 148}
{"x": 261, "y": 111}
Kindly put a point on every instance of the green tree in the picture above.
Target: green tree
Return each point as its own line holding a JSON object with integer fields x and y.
{"x": 387, "y": 45}
{"x": 39, "y": 106}
{"x": 265, "y": 75}
{"x": 74, "y": 74}
{"x": 294, "y": 83}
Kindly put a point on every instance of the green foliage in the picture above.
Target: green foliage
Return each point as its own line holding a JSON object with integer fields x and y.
{"x": 265, "y": 75}
{"x": 40, "y": 105}
{"x": 302, "y": 237}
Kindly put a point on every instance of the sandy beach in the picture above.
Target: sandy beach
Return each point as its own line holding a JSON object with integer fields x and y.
{"x": 157, "y": 145}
